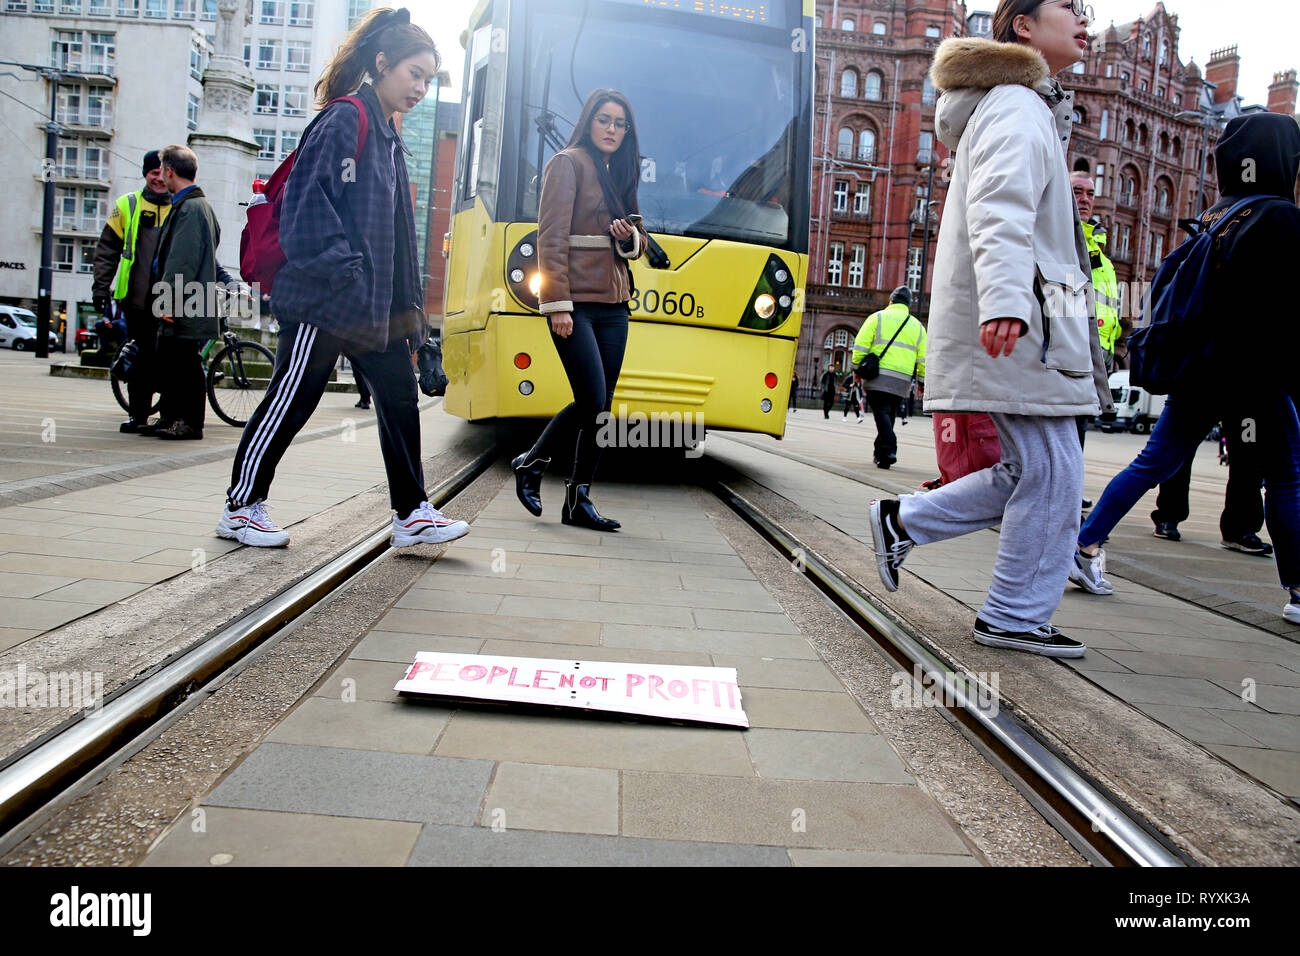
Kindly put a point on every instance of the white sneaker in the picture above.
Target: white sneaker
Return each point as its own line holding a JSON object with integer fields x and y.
{"x": 1087, "y": 570}
{"x": 251, "y": 525}
{"x": 426, "y": 525}
{"x": 1292, "y": 611}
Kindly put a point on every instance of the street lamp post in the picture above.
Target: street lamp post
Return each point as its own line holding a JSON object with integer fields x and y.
{"x": 925, "y": 236}
{"x": 1206, "y": 117}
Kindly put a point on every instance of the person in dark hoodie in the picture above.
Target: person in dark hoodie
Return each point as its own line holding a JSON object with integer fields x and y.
{"x": 350, "y": 282}
{"x": 1258, "y": 155}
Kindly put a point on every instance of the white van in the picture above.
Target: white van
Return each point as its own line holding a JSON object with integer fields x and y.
{"x": 1136, "y": 409}
{"x": 18, "y": 329}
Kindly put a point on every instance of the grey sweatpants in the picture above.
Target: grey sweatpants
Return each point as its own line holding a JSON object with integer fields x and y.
{"x": 1034, "y": 491}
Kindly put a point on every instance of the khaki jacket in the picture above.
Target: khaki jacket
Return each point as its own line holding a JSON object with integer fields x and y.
{"x": 579, "y": 258}
{"x": 1010, "y": 244}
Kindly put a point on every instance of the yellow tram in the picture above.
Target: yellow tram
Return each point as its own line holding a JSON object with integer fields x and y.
{"x": 723, "y": 101}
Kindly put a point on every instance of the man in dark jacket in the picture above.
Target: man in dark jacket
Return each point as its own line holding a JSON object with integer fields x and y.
{"x": 123, "y": 266}
{"x": 1258, "y": 155}
{"x": 185, "y": 281}
{"x": 830, "y": 385}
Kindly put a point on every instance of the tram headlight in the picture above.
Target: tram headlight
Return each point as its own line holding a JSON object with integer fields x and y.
{"x": 525, "y": 387}
{"x": 772, "y": 300}
{"x": 765, "y": 405}
{"x": 521, "y": 272}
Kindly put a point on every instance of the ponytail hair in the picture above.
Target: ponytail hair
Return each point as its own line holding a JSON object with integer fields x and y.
{"x": 383, "y": 30}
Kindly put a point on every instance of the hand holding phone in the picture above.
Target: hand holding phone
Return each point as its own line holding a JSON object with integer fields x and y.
{"x": 634, "y": 218}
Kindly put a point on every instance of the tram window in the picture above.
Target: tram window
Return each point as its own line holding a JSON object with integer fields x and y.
{"x": 716, "y": 107}
{"x": 474, "y": 141}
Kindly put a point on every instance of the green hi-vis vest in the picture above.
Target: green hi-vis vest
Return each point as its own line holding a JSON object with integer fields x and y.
{"x": 1105, "y": 287}
{"x": 906, "y": 356}
{"x": 129, "y": 208}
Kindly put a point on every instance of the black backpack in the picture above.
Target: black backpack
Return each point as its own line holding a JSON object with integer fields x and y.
{"x": 1180, "y": 336}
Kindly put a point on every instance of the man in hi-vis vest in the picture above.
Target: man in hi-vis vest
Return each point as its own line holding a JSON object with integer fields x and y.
{"x": 1104, "y": 284}
{"x": 122, "y": 262}
{"x": 898, "y": 338}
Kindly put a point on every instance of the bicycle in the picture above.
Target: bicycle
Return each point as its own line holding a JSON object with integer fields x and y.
{"x": 226, "y": 372}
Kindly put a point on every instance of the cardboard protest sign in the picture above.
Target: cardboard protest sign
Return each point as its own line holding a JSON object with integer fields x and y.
{"x": 675, "y": 692}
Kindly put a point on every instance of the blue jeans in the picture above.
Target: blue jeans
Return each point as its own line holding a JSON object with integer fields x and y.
{"x": 1178, "y": 433}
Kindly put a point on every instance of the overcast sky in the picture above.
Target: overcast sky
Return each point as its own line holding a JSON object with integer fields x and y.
{"x": 1265, "y": 32}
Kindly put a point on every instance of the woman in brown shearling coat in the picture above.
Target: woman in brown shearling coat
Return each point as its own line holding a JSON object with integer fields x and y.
{"x": 584, "y": 243}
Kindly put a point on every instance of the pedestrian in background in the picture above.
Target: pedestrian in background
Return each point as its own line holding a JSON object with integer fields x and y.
{"x": 1257, "y": 156}
{"x": 588, "y": 231}
{"x": 1243, "y": 509}
{"x": 122, "y": 274}
{"x": 794, "y": 391}
{"x": 852, "y": 390}
{"x": 350, "y": 282}
{"x": 829, "y": 381}
{"x": 1011, "y": 259}
{"x": 897, "y": 339}
{"x": 186, "y": 260}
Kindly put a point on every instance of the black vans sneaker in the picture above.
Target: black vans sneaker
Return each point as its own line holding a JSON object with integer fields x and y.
{"x": 1045, "y": 640}
{"x": 891, "y": 542}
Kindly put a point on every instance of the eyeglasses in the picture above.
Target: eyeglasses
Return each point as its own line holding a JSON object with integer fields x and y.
{"x": 1080, "y": 9}
{"x": 606, "y": 121}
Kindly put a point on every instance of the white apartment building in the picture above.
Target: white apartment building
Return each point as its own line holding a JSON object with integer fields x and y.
{"x": 139, "y": 65}
{"x": 287, "y": 47}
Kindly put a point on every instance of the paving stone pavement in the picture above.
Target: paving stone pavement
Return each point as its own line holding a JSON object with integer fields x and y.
{"x": 811, "y": 783}
{"x": 66, "y": 555}
{"x": 1229, "y": 686}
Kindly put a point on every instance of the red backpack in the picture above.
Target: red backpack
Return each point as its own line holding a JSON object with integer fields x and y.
{"x": 260, "y": 255}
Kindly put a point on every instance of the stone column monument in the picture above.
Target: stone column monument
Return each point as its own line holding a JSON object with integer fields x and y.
{"x": 224, "y": 141}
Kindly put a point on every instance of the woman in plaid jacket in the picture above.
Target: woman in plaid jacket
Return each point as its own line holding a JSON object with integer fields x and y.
{"x": 351, "y": 280}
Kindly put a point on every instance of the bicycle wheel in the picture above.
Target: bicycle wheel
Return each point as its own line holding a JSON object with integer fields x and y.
{"x": 237, "y": 380}
{"x": 119, "y": 392}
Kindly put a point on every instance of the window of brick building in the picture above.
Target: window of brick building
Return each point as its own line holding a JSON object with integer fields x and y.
{"x": 840, "y": 196}
{"x": 871, "y": 86}
{"x": 862, "y": 200}
{"x": 857, "y": 266}
{"x": 867, "y": 146}
{"x": 849, "y": 83}
{"x": 835, "y": 263}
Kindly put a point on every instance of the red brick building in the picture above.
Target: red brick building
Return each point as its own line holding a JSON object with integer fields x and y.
{"x": 439, "y": 217}
{"x": 1146, "y": 125}
{"x": 872, "y": 148}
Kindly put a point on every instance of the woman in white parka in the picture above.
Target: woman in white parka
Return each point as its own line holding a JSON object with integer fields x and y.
{"x": 1011, "y": 330}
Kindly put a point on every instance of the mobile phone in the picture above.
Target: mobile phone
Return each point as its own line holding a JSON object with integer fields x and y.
{"x": 634, "y": 218}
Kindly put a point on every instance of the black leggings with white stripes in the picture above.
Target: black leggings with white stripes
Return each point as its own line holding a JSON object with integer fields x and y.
{"x": 304, "y": 359}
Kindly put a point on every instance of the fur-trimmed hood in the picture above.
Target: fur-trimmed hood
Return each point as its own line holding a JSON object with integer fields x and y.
{"x": 966, "y": 68}
{"x": 962, "y": 62}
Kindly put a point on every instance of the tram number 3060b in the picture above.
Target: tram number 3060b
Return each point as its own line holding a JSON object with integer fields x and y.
{"x": 670, "y": 303}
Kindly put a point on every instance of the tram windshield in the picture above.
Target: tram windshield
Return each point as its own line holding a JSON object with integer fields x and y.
{"x": 717, "y": 106}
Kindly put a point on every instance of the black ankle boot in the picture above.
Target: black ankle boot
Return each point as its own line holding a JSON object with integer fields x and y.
{"x": 528, "y": 481}
{"x": 578, "y": 510}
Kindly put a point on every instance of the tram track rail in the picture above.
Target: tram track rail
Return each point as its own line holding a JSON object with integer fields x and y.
{"x": 53, "y": 770}
{"x": 1102, "y": 827}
